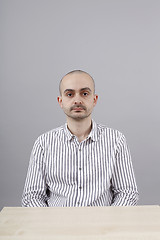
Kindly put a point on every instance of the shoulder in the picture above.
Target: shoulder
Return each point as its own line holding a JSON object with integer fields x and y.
{"x": 50, "y": 136}
{"x": 110, "y": 133}
{"x": 108, "y": 130}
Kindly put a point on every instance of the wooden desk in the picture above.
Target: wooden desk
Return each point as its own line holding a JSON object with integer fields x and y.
{"x": 85, "y": 223}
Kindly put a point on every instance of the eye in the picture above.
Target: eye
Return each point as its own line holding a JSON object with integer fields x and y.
{"x": 69, "y": 94}
{"x": 85, "y": 93}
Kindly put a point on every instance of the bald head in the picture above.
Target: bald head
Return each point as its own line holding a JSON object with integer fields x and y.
{"x": 75, "y": 72}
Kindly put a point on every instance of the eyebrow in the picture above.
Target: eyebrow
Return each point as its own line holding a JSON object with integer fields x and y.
{"x": 82, "y": 89}
{"x": 68, "y": 90}
{"x": 86, "y": 89}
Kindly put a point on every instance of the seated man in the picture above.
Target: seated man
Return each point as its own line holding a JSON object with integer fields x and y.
{"x": 81, "y": 163}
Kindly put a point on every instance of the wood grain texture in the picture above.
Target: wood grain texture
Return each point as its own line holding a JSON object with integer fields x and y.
{"x": 88, "y": 223}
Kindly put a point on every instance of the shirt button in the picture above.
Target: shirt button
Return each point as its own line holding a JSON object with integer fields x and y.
{"x": 80, "y": 187}
{"x": 80, "y": 168}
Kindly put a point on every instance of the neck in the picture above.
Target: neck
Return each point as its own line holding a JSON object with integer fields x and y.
{"x": 81, "y": 128}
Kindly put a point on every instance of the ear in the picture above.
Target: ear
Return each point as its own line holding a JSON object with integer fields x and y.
{"x": 59, "y": 99}
{"x": 95, "y": 99}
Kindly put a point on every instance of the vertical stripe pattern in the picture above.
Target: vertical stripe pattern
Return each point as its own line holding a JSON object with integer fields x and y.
{"x": 95, "y": 172}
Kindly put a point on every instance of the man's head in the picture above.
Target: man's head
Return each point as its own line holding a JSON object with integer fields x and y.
{"x": 77, "y": 94}
{"x": 74, "y": 72}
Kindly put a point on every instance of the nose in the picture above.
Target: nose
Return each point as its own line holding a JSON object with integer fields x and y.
{"x": 77, "y": 101}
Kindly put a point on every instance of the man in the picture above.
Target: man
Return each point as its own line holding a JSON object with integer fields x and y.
{"x": 81, "y": 163}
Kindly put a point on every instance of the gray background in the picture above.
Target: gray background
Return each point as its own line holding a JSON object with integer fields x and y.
{"x": 117, "y": 42}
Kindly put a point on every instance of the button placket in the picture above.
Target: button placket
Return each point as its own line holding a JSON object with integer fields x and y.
{"x": 79, "y": 152}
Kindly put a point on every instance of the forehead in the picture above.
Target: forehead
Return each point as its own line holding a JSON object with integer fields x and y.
{"x": 77, "y": 81}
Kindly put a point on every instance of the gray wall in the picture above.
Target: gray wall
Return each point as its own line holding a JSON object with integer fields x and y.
{"x": 117, "y": 42}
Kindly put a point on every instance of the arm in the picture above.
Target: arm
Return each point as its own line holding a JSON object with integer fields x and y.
{"x": 34, "y": 194}
{"x": 124, "y": 187}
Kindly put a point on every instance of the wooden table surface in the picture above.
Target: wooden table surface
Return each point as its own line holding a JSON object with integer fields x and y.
{"x": 84, "y": 223}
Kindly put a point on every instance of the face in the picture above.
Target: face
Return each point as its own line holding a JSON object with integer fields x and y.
{"x": 77, "y": 96}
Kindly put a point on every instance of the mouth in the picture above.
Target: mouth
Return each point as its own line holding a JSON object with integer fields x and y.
{"x": 78, "y": 108}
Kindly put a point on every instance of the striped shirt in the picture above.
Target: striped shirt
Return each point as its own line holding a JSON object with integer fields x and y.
{"x": 95, "y": 172}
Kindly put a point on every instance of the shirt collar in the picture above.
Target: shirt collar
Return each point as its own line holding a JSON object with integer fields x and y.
{"x": 68, "y": 134}
{"x": 93, "y": 133}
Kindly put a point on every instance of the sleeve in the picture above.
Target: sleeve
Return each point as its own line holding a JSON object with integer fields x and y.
{"x": 124, "y": 186}
{"x": 34, "y": 194}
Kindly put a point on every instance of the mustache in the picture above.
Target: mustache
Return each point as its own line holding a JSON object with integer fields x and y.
{"x": 78, "y": 105}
